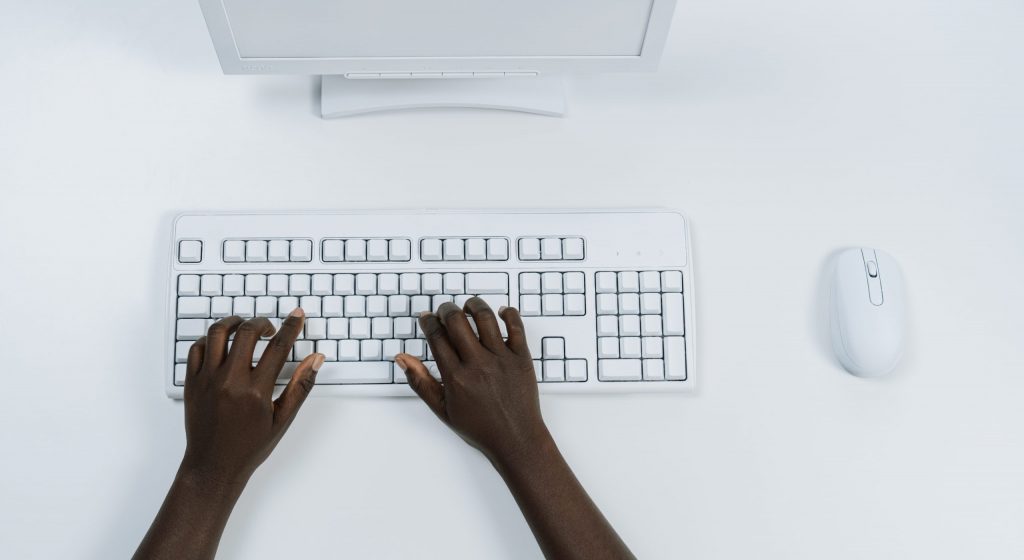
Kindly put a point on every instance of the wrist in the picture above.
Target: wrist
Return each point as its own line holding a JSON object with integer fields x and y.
{"x": 209, "y": 479}
{"x": 538, "y": 448}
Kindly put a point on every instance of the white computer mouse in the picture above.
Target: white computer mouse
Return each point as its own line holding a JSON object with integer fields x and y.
{"x": 867, "y": 312}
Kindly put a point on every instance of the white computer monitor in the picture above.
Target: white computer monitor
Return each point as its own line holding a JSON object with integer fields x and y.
{"x": 377, "y": 54}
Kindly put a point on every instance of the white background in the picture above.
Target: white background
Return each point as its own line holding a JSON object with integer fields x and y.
{"x": 785, "y": 130}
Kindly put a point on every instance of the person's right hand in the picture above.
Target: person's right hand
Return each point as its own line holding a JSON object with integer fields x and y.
{"x": 488, "y": 390}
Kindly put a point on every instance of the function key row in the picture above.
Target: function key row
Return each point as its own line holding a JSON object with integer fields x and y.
{"x": 267, "y": 250}
{"x": 463, "y": 249}
{"x": 363, "y": 250}
{"x": 551, "y": 249}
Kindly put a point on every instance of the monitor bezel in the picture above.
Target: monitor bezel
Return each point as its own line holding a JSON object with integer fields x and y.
{"x": 233, "y": 63}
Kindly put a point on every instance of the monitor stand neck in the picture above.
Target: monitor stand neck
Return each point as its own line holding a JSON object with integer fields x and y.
{"x": 343, "y": 97}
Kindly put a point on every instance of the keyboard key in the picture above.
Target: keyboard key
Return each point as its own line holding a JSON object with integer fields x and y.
{"x": 650, "y": 304}
{"x": 188, "y": 285}
{"x": 650, "y": 281}
{"x": 419, "y": 305}
{"x": 355, "y": 306}
{"x": 572, "y": 249}
{"x": 398, "y": 306}
{"x": 181, "y": 351}
{"x": 629, "y": 347}
{"x": 355, "y": 250}
{"x": 476, "y": 249}
{"x": 333, "y": 306}
{"x": 404, "y": 327}
{"x": 454, "y": 250}
{"x": 359, "y": 328}
{"x": 315, "y": 329}
{"x": 432, "y": 284}
{"x": 606, "y": 283}
{"x": 333, "y": 250}
{"x": 322, "y": 285}
{"x": 337, "y": 328}
{"x": 245, "y": 307}
{"x": 551, "y": 249}
{"x": 607, "y": 325}
{"x": 619, "y": 370}
{"x": 529, "y": 305}
{"x": 387, "y": 284}
{"x": 302, "y": 349}
{"x": 575, "y": 304}
{"x": 529, "y": 249}
{"x": 266, "y": 306}
{"x": 376, "y": 306}
{"x": 629, "y": 325}
{"x": 344, "y": 285}
{"x": 234, "y": 251}
{"x": 366, "y": 284}
{"x": 380, "y": 327}
{"x": 371, "y": 351}
{"x": 348, "y": 351}
{"x": 416, "y": 347}
{"x": 629, "y": 304}
{"x": 529, "y": 283}
{"x": 390, "y": 348}
{"x": 607, "y": 347}
{"x": 298, "y": 285}
{"x": 255, "y": 285}
{"x": 629, "y": 281}
{"x": 234, "y": 285}
{"x": 179, "y": 374}
{"x": 575, "y": 370}
{"x": 672, "y": 281}
{"x": 278, "y": 250}
{"x": 651, "y": 347}
{"x": 675, "y": 358}
{"x": 551, "y": 282}
{"x": 487, "y": 283}
{"x": 552, "y": 304}
{"x": 210, "y": 285}
{"x": 409, "y": 283}
{"x": 573, "y": 283}
{"x": 650, "y": 325}
{"x": 190, "y": 329}
{"x": 220, "y": 307}
{"x": 399, "y": 374}
{"x": 256, "y": 251}
{"x": 454, "y": 283}
{"x": 377, "y": 250}
{"x": 554, "y": 370}
{"x": 553, "y": 348}
{"x": 497, "y": 249}
{"x": 431, "y": 250}
{"x": 439, "y": 300}
{"x": 277, "y": 285}
{"x": 672, "y": 314}
{"x": 399, "y": 250}
{"x": 310, "y": 305}
{"x": 286, "y": 305}
{"x": 607, "y": 304}
{"x": 329, "y": 348}
{"x": 654, "y": 370}
{"x": 354, "y": 373}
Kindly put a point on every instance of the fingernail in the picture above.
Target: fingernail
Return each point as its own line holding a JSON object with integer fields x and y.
{"x": 297, "y": 312}
{"x": 502, "y": 309}
{"x": 401, "y": 363}
{"x": 318, "y": 361}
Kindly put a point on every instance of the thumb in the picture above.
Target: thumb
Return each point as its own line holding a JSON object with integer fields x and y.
{"x": 428, "y": 388}
{"x": 294, "y": 394}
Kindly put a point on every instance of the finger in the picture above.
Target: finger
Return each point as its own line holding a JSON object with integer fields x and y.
{"x": 516, "y": 331}
{"x": 423, "y": 383}
{"x": 460, "y": 333}
{"x": 279, "y": 349}
{"x": 246, "y": 337}
{"x": 437, "y": 337}
{"x": 217, "y": 340}
{"x": 195, "y": 359}
{"x": 486, "y": 324}
{"x": 295, "y": 393}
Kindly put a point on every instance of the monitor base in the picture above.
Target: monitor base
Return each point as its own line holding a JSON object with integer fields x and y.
{"x": 343, "y": 97}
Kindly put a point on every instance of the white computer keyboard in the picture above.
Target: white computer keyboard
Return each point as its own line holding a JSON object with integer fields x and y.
{"x": 606, "y": 296}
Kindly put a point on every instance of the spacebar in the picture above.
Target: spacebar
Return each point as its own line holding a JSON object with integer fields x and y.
{"x": 354, "y": 372}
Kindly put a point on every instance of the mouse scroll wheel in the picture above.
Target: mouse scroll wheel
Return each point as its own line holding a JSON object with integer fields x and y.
{"x": 872, "y": 269}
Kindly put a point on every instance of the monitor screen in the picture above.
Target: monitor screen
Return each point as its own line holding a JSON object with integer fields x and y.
{"x": 323, "y": 29}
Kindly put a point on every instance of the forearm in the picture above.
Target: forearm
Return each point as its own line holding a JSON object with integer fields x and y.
{"x": 191, "y": 519}
{"x": 565, "y": 521}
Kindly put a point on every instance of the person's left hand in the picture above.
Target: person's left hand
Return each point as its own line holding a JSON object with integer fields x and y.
{"x": 231, "y": 422}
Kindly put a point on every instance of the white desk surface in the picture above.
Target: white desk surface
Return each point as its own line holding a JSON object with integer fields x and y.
{"x": 784, "y": 129}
